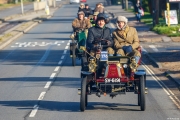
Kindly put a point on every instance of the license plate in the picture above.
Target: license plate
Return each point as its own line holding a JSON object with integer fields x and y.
{"x": 112, "y": 80}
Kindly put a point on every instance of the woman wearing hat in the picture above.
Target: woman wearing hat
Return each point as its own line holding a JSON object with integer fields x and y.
{"x": 100, "y": 33}
{"x": 126, "y": 39}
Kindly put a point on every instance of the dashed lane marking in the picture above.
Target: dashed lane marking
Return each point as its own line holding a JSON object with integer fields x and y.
{"x": 62, "y": 57}
{"x": 68, "y": 43}
{"x": 48, "y": 84}
{"x": 56, "y": 69}
{"x": 66, "y": 47}
{"x": 34, "y": 111}
{"x": 65, "y": 51}
{"x": 52, "y": 76}
{"x": 41, "y": 96}
{"x": 60, "y": 62}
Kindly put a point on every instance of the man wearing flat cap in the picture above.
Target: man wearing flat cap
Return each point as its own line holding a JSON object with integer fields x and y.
{"x": 126, "y": 39}
{"x": 80, "y": 22}
{"x": 93, "y": 20}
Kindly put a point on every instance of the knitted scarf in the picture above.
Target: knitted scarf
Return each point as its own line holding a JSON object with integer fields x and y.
{"x": 123, "y": 32}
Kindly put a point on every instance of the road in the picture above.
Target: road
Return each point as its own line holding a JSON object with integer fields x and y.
{"x": 37, "y": 81}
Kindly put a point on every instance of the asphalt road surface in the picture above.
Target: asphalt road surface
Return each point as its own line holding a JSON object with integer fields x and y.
{"x": 37, "y": 81}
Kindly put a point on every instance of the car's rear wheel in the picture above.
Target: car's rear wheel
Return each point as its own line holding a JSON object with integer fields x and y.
{"x": 141, "y": 94}
{"x": 74, "y": 55}
{"x": 83, "y": 97}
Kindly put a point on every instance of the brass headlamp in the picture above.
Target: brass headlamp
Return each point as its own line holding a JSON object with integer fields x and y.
{"x": 133, "y": 64}
{"x": 92, "y": 64}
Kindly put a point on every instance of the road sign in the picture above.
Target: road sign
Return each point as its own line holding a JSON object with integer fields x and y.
{"x": 172, "y": 17}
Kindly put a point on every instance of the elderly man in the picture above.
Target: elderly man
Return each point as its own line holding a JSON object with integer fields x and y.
{"x": 126, "y": 39}
{"x": 80, "y": 22}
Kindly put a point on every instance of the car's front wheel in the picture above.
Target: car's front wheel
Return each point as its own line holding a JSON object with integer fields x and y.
{"x": 83, "y": 97}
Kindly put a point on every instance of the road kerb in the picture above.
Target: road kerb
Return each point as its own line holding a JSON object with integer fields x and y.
{"x": 30, "y": 27}
{"x": 177, "y": 81}
{"x": 7, "y": 42}
{"x": 153, "y": 60}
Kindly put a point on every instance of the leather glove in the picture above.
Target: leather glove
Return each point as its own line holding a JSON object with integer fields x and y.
{"x": 103, "y": 42}
{"x": 127, "y": 49}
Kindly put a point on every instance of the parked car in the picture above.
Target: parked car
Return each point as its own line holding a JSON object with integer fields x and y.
{"x": 74, "y": 1}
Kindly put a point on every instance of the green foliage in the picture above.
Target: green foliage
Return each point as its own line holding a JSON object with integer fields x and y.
{"x": 171, "y": 31}
{"x": 145, "y": 5}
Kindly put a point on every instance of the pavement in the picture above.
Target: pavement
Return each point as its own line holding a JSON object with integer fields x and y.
{"x": 155, "y": 46}
{"x": 163, "y": 51}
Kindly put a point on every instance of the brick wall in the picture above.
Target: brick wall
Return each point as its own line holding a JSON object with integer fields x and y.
{"x": 3, "y": 1}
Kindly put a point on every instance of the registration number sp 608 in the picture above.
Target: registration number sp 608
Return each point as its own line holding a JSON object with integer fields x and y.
{"x": 112, "y": 80}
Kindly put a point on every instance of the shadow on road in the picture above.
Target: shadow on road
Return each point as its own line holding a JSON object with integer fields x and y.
{"x": 69, "y": 106}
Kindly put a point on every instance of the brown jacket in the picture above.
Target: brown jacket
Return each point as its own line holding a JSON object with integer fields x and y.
{"x": 131, "y": 39}
{"x": 83, "y": 24}
{"x": 99, "y": 9}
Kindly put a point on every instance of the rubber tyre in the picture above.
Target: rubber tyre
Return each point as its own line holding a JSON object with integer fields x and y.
{"x": 142, "y": 93}
{"x": 83, "y": 97}
{"x": 73, "y": 55}
{"x": 139, "y": 101}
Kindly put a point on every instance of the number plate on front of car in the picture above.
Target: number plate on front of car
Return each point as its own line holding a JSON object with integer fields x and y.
{"x": 112, "y": 80}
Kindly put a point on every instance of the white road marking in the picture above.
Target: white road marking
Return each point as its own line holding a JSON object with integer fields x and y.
{"x": 65, "y": 51}
{"x": 52, "y": 76}
{"x": 33, "y": 44}
{"x": 66, "y": 47}
{"x": 56, "y": 69}
{"x": 48, "y": 84}
{"x": 70, "y": 40}
{"x": 154, "y": 48}
{"x": 60, "y": 62}
{"x": 62, "y": 57}
{"x": 34, "y": 111}
{"x": 165, "y": 88}
{"x": 68, "y": 43}
{"x": 41, "y": 96}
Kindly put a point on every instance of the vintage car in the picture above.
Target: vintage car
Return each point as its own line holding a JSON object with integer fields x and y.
{"x": 78, "y": 39}
{"x": 110, "y": 75}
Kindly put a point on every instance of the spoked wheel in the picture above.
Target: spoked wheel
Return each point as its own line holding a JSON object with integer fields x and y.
{"x": 83, "y": 97}
{"x": 141, "y": 95}
{"x": 73, "y": 55}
